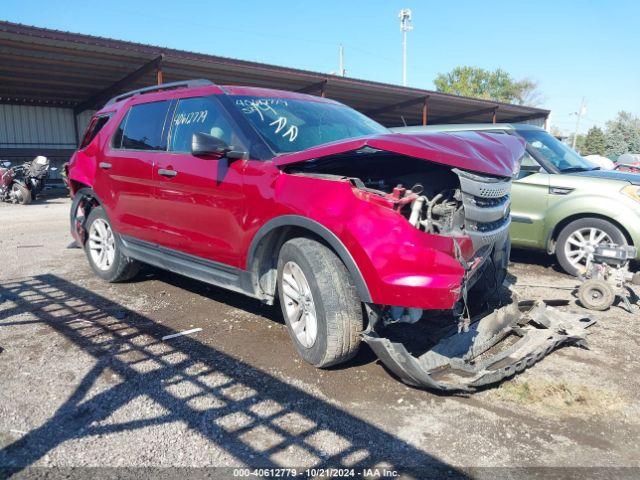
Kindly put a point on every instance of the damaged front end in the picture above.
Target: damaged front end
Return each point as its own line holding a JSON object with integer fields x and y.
{"x": 495, "y": 347}
{"x": 459, "y": 198}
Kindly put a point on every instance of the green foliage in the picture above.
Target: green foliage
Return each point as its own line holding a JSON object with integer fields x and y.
{"x": 622, "y": 135}
{"x": 495, "y": 85}
{"x": 594, "y": 142}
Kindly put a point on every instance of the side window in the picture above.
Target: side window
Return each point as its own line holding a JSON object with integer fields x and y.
{"x": 529, "y": 162}
{"x": 141, "y": 128}
{"x": 528, "y": 166}
{"x": 199, "y": 115}
{"x": 94, "y": 127}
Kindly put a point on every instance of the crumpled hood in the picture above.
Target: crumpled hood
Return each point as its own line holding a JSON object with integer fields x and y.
{"x": 491, "y": 153}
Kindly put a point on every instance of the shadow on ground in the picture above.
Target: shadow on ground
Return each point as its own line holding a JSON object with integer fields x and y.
{"x": 218, "y": 398}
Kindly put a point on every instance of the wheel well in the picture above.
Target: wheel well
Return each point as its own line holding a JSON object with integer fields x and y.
{"x": 264, "y": 261}
{"x": 74, "y": 186}
{"x": 85, "y": 202}
{"x": 566, "y": 221}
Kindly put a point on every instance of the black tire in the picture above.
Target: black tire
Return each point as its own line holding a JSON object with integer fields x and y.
{"x": 337, "y": 306}
{"x": 122, "y": 268}
{"x": 21, "y": 193}
{"x": 596, "y": 295}
{"x": 609, "y": 228}
{"x": 487, "y": 289}
{"x": 81, "y": 195}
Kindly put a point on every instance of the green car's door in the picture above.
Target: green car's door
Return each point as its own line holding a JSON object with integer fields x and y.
{"x": 529, "y": 201}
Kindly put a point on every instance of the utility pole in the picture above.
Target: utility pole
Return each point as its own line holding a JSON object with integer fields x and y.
{"x": 342, "y": 71}
{"x": 405, "y": 26}
{"x": 582, "y": 111}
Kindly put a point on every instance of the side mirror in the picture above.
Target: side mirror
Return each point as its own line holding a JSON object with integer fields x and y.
{"x": 6, "y": 164}
{"x": 205, "y": 145}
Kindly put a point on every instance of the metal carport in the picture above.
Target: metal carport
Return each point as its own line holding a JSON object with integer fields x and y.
{"x": 66, "y": 76}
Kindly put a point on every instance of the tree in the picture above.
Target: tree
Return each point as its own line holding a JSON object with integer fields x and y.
{"x": 622, "y": 135}
{"x": 495, "y": 85}
{"x": 594, "y": 142}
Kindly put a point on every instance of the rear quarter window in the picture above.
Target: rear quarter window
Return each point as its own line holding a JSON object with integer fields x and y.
{"x": 142, "y": 127}
{"x": 93, "y": 129}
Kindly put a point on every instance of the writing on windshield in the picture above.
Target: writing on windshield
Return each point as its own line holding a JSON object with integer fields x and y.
{"x": 291, "y": 125}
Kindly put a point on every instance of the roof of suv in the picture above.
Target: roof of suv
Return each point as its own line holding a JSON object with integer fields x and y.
{"x": 202, "y": 86}
{"x": 463, "y": 127}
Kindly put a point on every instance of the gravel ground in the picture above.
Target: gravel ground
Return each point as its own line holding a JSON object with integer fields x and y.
{"x": 86, "y": 381}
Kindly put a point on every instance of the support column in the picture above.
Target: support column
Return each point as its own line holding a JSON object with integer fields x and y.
{"x": 159, "y": 78}
{"x": 425, "y": 110}
{"x": 75, "y": 129}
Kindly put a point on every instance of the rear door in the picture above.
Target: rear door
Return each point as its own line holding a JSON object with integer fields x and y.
{"x": 125, "y": 170}
{"x": 200, "y": 200}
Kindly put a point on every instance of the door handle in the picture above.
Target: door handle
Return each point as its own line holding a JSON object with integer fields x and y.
{"x": 167, "y": 173}
{"x": 104, "y": 165}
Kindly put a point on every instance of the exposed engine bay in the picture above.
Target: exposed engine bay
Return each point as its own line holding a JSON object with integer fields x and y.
{"x": 434, "y": 198}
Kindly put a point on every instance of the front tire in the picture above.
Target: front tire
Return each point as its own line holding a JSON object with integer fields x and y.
{"x": 319, "y": 303}
{"x": 577, "y": 240}
{"x": 104, "y": 251}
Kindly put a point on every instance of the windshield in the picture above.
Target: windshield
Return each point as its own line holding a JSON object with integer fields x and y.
{"x": 554, "y": 151}
{"x": 290, "y": 125}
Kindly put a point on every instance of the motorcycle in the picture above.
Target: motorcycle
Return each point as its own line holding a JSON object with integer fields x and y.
{"x": 22, "y": 183}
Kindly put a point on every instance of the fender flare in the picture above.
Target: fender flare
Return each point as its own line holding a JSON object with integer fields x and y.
{"x": 323, "y": 232}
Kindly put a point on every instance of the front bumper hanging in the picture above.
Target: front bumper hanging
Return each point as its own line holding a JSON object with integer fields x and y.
{"x": 519, "y": 333}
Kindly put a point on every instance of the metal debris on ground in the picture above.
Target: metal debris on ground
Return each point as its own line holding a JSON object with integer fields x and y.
{"x": 607, "y": 278}
{"x": 495, "y": 347}
{"x": 179, "y": 334}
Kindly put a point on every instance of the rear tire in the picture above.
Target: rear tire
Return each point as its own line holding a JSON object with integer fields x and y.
{"x": 326, "y": 320}
{"x": 567, "y": 251}
{"x": 104, "y": 250}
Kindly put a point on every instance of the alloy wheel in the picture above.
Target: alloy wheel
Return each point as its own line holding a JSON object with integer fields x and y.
{"x": 102, "y": 244}
{"x": 581, "y": 243}
{"x": 299, "y": 306}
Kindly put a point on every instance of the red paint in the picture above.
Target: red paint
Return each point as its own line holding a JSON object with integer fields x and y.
{"x": 214, "y": 208}
{"x": 477, "y": 151}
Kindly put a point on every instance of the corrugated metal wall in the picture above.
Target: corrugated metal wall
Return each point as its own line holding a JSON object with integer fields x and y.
{"x": 26, "y": 131}
{"x": 25, "y": 127}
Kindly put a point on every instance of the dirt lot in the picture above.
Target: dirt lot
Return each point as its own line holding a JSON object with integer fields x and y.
{"x": 86, "y": 381}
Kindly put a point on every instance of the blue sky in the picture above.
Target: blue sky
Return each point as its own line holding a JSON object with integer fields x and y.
{"x": 572, "y": 48}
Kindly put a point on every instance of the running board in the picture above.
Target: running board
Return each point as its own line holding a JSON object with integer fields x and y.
{"x": 464, "y": 361}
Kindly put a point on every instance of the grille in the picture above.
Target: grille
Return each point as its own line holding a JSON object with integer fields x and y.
{"x": 486, "y": 201}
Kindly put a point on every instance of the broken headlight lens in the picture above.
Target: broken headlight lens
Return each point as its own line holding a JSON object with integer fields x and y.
{"x": 632, "y": 191}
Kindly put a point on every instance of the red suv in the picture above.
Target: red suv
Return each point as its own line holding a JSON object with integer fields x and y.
{"x": 282, "y": 195}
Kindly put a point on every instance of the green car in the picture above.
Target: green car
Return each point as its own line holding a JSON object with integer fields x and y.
{"x": 561, "y": 203}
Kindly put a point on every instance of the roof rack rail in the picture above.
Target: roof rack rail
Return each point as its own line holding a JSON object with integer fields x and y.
{"x": 163, "y": 86}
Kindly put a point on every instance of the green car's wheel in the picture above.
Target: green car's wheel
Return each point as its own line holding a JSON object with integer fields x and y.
{"x": 578, "y": 239}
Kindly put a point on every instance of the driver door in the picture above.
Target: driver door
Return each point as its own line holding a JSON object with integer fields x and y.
{"x": 529, "y": 201}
